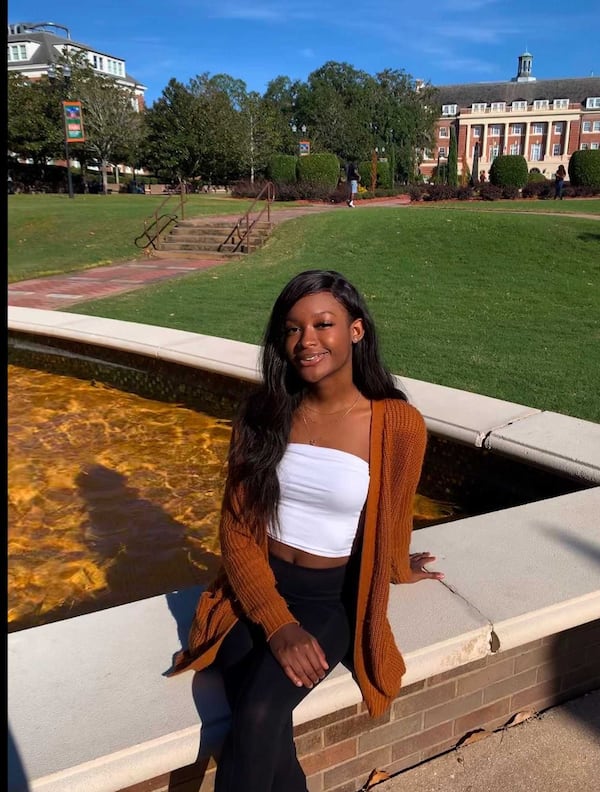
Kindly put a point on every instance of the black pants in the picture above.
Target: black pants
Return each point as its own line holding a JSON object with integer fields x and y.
{"x": 259, "y": 753}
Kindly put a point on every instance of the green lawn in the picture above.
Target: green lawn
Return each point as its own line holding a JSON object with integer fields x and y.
{"x": 505, "y": 304}
{"x": 49, "y": 234}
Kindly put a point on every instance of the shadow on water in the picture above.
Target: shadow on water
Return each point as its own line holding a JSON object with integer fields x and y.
{"x": 121, "y": 524}
{"x": 209, "y": 698}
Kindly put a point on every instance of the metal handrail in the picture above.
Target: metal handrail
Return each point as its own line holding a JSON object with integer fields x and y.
{"x": 267, "y": 193}
{"x": 151, "y": 224}
{"x": 148, "y": 232}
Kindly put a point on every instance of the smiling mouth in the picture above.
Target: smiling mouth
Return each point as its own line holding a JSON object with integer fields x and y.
{"x": 310, "y": 360}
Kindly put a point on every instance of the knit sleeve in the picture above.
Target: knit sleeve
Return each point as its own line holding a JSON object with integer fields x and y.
{"x": 405, "y": 440}
{"x": 251, "y": 577}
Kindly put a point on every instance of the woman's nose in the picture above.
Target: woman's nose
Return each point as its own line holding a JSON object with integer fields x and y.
{"x": 308, "y": 337}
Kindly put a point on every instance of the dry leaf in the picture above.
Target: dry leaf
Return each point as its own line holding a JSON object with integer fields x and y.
{"x": 374, "y": 778}
{"x": 521, "y": 716}
{"x": 473, "y": 737}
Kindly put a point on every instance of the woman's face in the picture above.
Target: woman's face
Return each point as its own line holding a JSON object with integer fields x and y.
{"x": 319, "y": 334}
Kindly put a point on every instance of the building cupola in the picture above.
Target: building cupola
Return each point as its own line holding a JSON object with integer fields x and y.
{"x": 524, "y": 72}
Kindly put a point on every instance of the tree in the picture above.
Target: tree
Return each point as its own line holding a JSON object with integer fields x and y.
{"x": 173, "y": 139}
{"x": 452, "y": 169}
{"x": 111, "y": 124}
{"x": 34, "y": 129}
{"x": 260, "y": 135}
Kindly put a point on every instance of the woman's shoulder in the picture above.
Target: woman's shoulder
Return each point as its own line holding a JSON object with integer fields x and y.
{"x": 400, "y": 414}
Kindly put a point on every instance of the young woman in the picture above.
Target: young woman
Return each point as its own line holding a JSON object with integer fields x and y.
{"x": 323, "y": 467}
{"x": 353, "y": 178}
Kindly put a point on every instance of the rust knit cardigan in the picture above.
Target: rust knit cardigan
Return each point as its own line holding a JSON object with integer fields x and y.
{"x": 246, "y": 583}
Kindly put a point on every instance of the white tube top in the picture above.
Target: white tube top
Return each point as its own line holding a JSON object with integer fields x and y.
{"x": 323, "y": 491}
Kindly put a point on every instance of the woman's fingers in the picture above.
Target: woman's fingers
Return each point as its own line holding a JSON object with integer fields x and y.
{"x": 300, "y": 655}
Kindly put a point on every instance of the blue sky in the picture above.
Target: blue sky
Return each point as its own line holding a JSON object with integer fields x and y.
{"x": 445, "y": 41}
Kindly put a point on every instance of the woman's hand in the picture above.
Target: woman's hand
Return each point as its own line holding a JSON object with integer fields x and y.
{"x": 299, "y": 654}
{"x": 417, "y": 567}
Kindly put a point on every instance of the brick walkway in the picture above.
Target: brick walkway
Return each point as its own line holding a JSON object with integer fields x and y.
{"x": 57, "y": 292}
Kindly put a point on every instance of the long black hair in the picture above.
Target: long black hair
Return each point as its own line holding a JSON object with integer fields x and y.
{"x": 262, "y": 429}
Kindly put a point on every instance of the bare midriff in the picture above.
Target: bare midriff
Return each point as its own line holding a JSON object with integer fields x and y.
{"x": 301, "y": 558}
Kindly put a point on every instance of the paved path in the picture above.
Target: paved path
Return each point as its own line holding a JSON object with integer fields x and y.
{"x": 58, "y": 292}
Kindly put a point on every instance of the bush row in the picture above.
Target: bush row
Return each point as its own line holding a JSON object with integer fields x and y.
{"x": 494, "y": 192}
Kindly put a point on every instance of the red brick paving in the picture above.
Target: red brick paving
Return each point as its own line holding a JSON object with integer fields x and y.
{"x": 56, "y": 292}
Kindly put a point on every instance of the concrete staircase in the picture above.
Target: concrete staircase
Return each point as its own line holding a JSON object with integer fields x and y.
{"x": 191, "y": 238}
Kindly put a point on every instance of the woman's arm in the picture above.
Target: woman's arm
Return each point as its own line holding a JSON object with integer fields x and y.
{"x": 251, "y": 576}
{"x": 404, "y": 443}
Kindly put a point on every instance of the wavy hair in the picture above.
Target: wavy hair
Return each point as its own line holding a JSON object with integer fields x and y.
{"x": 261, "y": 431}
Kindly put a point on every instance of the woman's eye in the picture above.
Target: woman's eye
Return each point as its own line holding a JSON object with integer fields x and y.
{"x": 290, "y": 330}
{"x": 325, "y": 324}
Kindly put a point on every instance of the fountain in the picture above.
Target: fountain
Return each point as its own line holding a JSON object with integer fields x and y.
{"x": 521, "y": 578}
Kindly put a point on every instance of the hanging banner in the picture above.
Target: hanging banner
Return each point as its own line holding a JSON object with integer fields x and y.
{"x": 73, "y": 122}
{"x": 304, "y": 148}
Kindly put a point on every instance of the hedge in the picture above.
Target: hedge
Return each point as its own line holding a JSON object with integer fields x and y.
{"x": 509, "y": 170}
{"x": 321, "y": 169}
{"x": 283, "y": 168}
{"x": 584, "y": 168}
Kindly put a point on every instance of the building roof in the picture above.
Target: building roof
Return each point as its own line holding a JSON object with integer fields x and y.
{"x": 575, "y": 89}
{"x": 47, "y": 51}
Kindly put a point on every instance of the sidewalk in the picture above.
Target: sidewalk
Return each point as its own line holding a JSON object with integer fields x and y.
{"x": 558, "y": 750}
{"x": 59, "y": 292}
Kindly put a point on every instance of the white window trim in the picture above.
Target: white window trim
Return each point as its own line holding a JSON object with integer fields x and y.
{"x": 592, "y": 102}
{"x": 586, "y": 126}
{"x": 444, "y": 132}
{"x": 560, "y": 104}
{"x": 556, "y": 149}
{"x": 520, "y": 105}
{"x": 498, "y": 107}
{"x": 449, "y": 109}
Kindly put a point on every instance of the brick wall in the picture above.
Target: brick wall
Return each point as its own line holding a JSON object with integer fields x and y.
{"x": 338, "y": 751}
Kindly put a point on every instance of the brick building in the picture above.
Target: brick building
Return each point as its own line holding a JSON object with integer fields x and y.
{"x": 544, "y": 120}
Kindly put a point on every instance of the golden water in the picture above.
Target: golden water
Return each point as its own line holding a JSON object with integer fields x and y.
{"x": 112, "y": 497}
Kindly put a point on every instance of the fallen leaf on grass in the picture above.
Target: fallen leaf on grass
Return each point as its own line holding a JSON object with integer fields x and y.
{"x": 374, "y": 778}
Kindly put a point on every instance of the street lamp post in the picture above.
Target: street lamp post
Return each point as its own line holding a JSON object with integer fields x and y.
{"x": 66, "y": 82}
{"x": 302, "y": 144}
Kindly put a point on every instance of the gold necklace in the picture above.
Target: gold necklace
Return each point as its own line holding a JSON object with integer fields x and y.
{"x": 313, "y": 441}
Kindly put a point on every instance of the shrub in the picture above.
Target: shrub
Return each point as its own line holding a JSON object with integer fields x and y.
{"x": 283, "y": 168}
{"x": 417, "y": 191}
{"x": 510, "y": 191}
{"x": 538, "y": 189}
{"x": 535, "y": 176}
{"x": 244, "y": 188}
{"x": 509, "y": 170}
{"x": 322, "y": 169}
{"x": 464, "y": 192}
{"x": 489, "y": 192}
{"x": 584, "y": 168}
{"x": 440, "y": 192}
